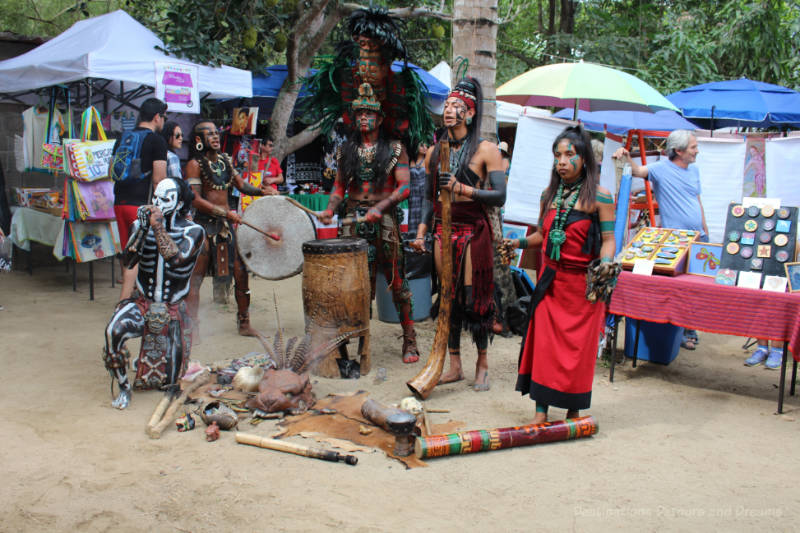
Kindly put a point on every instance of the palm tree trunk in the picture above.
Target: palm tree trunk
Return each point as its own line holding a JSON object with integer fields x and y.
{"x": 475, "y": 38}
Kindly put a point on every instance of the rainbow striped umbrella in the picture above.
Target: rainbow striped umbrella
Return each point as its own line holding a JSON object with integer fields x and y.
{"x": 585, "y": 86}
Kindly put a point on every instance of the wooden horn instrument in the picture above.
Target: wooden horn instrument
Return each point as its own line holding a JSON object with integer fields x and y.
{"x": 423, "y": 383}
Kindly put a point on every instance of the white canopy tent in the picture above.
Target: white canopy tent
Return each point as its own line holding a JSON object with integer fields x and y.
{"x": 111, "y": 47}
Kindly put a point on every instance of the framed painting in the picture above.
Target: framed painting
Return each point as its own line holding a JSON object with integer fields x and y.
{"x": 515, "y": 231}
{"x": 704, "y": 259}
{"x": 793, "y": 276}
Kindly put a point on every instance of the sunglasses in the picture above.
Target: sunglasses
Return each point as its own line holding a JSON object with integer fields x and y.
{"x": 178, "y": 135}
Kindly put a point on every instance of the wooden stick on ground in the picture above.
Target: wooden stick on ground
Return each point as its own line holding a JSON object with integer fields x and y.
{"x": 169, "y": 416}
{"x": 158, "y": 414}
{"x": 297, "y": 449}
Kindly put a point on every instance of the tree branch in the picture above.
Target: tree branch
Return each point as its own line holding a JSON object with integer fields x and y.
{"x": 301, "y": 139}
{"x": 402, "y": 12}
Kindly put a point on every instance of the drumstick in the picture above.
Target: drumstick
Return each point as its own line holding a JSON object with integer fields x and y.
{"x": 273, "y": 236}
{"x": 348, "y": 220}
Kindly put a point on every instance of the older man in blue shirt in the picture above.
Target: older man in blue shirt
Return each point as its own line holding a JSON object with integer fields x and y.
{"x": 676, "y": 184}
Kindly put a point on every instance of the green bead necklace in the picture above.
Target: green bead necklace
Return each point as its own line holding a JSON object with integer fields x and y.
{"x": 557, "y": 235}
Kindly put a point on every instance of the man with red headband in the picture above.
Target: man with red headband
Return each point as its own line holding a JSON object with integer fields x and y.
{"x": 477, "y": 181}
{"x": 373, "y": 170}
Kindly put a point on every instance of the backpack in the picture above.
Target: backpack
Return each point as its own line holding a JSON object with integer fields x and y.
{"x": 126, "y": 163}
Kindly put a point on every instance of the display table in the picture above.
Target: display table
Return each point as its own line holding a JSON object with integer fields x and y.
{"x": 29, "y": 225}
{"x": 697, "y": 302}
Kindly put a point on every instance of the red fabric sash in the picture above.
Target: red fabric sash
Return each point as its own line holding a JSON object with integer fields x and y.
{"x": 482, "y": 251}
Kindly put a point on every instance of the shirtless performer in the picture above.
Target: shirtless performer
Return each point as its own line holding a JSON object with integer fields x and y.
{"x": 476, "y": 180}
{"x": 165, "y": 246}
{"x": 210, "y": 174}
{"x": 373, "y": 171}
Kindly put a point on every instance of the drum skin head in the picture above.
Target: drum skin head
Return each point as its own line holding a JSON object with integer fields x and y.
{"x": 264, "y": 257}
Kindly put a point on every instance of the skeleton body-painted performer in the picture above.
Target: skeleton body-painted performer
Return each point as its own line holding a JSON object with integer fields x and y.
{"x": 476, "y": 180}
{"x": 373, "y": 171}
{"x": 166, "y": 246}
{"x": 211, "y": 174}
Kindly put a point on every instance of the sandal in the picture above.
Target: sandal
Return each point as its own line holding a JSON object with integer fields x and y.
{"x": 688, "y": 344}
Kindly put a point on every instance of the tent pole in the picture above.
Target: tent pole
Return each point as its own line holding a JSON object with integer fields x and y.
{"x": 575, "y": 110}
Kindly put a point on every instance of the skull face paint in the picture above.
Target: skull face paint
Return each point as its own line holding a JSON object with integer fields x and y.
{"x": 568, "y": 163}
{"x": 165, "y": 197}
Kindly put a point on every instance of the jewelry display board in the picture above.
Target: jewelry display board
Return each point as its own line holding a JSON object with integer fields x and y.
{"x": 759, "y": 239}
{"x": 667, "y": 248}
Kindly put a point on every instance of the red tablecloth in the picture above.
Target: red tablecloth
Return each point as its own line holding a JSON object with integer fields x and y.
{"x": 697, "y": 302}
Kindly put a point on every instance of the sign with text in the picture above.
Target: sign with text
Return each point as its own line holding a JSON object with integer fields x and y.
{"x": 176, "y": 84}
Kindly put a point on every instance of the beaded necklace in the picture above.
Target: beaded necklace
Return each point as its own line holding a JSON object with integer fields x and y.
{"x": 557, "y": 235}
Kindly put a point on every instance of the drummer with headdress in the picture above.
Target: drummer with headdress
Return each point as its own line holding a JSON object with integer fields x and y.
{"x": 211, "y": 174}
{"x": 372, "y": 171}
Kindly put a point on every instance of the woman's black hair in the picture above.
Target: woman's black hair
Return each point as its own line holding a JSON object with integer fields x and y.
{"x": 582, "y": 145}
{"x": 168, "y": 130}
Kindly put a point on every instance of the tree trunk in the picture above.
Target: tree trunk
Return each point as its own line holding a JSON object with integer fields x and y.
{"x": 475, "y": 38}
{"x": 551, "y": 17}
{"x": 567, "y": 22}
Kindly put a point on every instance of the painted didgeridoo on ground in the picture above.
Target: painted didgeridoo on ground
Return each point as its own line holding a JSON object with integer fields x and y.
{"x": 497, "y": 439}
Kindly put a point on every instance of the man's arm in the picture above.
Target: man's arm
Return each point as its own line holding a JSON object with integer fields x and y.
{"x": 159, "y": 171}
{"x": 400, "y": 189}
{"x": 703, "y": 215}
{"x": 489, "y": 155}
{"x": 336, "y": 197}
{"x": 637, "y": 170}
{"x": 176, "y": 254}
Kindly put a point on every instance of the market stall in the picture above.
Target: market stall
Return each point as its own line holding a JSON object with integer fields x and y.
{"x": 111, "y": 61}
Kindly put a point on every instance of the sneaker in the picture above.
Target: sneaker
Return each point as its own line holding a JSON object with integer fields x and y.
{"x": 774, "y": 359}
{"x": 758, "y": 357}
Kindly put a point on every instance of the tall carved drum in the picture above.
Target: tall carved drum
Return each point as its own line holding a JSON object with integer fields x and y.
{"x": 336, "y": 297}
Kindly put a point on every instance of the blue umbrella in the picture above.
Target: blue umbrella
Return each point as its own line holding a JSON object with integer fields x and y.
{"x": 739, "y": 103}
{"x": 620, "y": 122}
{"x": 268, "y": 85}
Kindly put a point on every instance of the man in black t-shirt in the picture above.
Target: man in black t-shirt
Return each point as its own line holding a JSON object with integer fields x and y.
{"x": 130, "y": 194}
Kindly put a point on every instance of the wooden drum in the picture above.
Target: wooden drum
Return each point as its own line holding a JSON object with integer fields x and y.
{"x": 336, "y": 297}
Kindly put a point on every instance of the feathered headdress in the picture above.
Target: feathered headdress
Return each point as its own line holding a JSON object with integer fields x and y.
{"x": 335, "y": 86}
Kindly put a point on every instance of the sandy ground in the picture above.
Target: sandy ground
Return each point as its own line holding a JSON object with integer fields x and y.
{"x": 694, "y": 445}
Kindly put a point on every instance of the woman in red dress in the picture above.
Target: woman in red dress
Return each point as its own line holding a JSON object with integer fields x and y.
{"x": 576, "y": 225}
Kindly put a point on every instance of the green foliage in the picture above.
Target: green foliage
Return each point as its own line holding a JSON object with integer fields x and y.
{"x": 248, "y": 34}
{"x": 48, "y": 18}
{"x": 672, "y": 44}
{"x": 683, "y": 55}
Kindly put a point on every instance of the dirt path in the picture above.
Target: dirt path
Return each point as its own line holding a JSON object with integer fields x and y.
{"x": 691, "y": 446}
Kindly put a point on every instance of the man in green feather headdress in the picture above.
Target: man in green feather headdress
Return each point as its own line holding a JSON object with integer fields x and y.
{"x": 372, "y": 172}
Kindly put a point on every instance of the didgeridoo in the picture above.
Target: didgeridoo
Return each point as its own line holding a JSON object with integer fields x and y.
{"x": 497, "y": 439}
{"x": 297, "y": 449}
{"x": 423, "y": 383}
